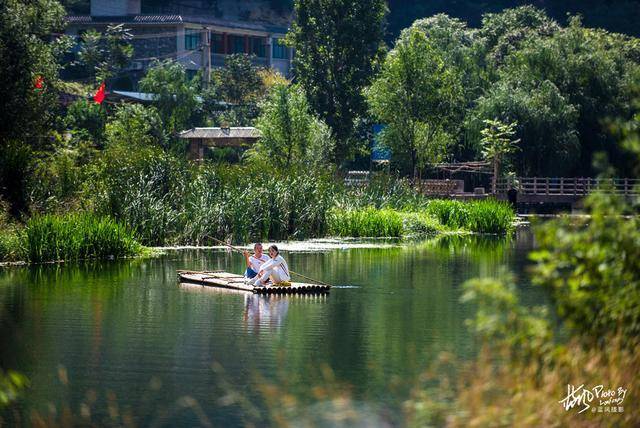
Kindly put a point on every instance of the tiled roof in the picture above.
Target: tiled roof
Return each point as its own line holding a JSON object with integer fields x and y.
{"x": 233, "y": 132}
{"x": 143, "y": 19}
{"x": 176, "y": 19}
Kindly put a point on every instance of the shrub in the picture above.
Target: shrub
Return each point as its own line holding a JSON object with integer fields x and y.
{"x": 11, "y": 248}
{"x": 420, "y": 224}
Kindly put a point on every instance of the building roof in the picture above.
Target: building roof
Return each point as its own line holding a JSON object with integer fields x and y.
{"x": 176, "y": 19}
{"x": 247, "y": 132}
{"x": 147, "y": 97}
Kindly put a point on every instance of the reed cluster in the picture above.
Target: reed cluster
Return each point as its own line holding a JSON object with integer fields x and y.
{"x": 481, "y": 216}
{"x": 76, "y": 236}
{"x": 369, "y": 222}
{"x": 485, "y": 216}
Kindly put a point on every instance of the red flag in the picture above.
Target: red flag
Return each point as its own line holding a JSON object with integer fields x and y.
{"x": 99, "y": 96}
{"x": 39, "y": 82}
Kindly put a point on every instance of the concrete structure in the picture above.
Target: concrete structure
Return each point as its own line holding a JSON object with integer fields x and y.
{"x": 197, "y": 38}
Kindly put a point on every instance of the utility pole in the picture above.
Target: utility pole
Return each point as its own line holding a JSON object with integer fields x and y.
{"x": 205, "y": 38}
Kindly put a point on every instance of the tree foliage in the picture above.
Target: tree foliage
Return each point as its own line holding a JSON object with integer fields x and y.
{"x": 104, "y": 55}
{"x": 290, "y": 132}
{"x": 558, "y": 84}
{"x": 236, "y": 90}
{"x": 418, "y": 96}
{"x": 135, "y": 125}
{"x": 338, "y": 46}
{"x": 546, "y": 125}
{"x": 28, "y": 53}
{"x": 175, "y": 95}
{"x": 497, "y": 143}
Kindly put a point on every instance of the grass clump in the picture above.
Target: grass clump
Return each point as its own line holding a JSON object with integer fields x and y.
{"x": 481, "y": 216}
{"x": 77, "y": 236}
{"x": 368, "y": 222}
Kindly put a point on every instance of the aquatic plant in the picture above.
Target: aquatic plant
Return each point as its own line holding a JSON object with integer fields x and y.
{"x": 368, "y": 222}
{"x": 481, "y": 216}
{"x": 77, "y": 236}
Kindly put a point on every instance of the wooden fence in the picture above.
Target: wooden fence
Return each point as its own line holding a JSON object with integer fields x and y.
{"x": 574, "y": 186}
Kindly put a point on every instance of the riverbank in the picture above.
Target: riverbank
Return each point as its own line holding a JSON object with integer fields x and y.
{"x": 69, "y": 237}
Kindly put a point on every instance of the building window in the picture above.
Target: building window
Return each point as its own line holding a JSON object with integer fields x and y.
{"x": 217, "y": 43}
{"x": 236, "y": 44}
{"x": 279, "y": 49}
{"x": 191, "y": 39}
{"x": 256, "y": 45}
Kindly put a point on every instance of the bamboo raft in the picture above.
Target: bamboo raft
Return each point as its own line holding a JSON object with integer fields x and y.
{"x": 237, "y": 282}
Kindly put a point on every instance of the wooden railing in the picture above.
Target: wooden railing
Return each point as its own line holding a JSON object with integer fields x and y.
{"x": 439, "y": 187}
{"x": 574, "y": 186}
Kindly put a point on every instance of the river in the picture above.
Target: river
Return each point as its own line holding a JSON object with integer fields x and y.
{"x": 115, "y": 338}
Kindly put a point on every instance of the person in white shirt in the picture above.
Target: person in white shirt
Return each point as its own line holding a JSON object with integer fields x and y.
{"x": 276, "y": 269}
{"x": 255, "y": 261}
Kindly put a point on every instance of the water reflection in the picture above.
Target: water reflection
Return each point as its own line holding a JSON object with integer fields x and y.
{"x": 260, "y": 312}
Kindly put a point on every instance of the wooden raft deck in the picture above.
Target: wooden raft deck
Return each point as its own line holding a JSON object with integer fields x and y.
{"x": 236, "y": 282}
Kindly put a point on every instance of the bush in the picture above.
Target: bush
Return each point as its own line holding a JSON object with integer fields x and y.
{"x": 77, "y": 236}
{"x": 11, "y": 248}
{"x": 420, "y": 224}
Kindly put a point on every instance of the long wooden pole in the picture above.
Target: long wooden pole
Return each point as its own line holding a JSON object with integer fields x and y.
{"x": 242, "y": 251}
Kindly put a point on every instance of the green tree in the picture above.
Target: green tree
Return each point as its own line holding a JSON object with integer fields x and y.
{"x": 594, "y": 71}
{"x": 175, "y": 96}
{"x": 417, "y": 96}
{"x": 28, "y": 58}
{"x": 136, "y": 125}
{"x": 505, "y": 32}
{"x": 546, "y": 125}
{"x": 238, "y": 81}
{"x": 339, "y": 44}
{"x": 27, "y": 52}
{"x": 290, "y": 133}
{"x": 104, "y": 55}
{"x": 497, "y": 143}
{"x": 236, "y": 90}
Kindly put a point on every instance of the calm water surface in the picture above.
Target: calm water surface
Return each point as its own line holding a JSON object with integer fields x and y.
{"x": 127, "y": 332}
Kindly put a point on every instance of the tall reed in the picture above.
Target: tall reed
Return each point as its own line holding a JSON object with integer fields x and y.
{"x": 76, "y": 236}
{"x": 481, "y": 216}
{"x": 369, "y": 222}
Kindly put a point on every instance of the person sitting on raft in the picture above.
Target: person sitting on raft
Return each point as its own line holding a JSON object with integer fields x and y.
{"x": 255, "y": 261}
{"x": 276, "y": 269}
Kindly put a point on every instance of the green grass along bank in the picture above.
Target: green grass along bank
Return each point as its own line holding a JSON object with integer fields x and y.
{"x": 78, "y": 236}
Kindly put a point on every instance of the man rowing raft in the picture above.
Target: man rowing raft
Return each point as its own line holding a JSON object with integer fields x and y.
{"x": 275, "y": 269}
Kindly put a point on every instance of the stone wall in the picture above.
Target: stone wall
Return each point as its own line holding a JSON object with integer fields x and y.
{"x": 154, "y": 42}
